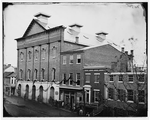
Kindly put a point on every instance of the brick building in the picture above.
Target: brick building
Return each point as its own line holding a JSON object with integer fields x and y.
{"x": 39, "y": 56}
{"x": 78, "y": 63}
{"x": 126, "y": 90}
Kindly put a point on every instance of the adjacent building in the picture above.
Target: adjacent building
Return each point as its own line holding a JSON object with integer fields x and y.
{"x": 82, "y": 71}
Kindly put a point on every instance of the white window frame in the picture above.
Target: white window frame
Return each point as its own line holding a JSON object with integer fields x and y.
{"x": 64, "y": 59}
{"x": 130, "y": 101}
{"x": 95, "y": 90}
{"x": 89, "y": 74}
{"x": 78, "y": 57}
{"x": 129, "y": 77}
{"x": 119, "y": 78}
{"x": 94, "y": 77}
{"x": 78, "y": 79}
{"x": 70, "y": 58}
{"x": 110, "y": 77}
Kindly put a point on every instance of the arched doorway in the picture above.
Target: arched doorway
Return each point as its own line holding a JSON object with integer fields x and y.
{"x": 40, "y": 94}
{"x": 33, "y": 92}
{"x": 52, "y": 93}
{"x": 27, "y": 92}
{"x": 51, "y": 98}
{"x": 19, "y": 90}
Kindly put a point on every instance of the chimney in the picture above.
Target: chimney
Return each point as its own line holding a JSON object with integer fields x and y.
{"x": 122, "y": 49}
{"x": 77, "y": 39}
{"x": 132, "y": 52}
{"x": 42, "y": 17}
{"x": 75, "y": 27}
{"x": 101, "y": 36}
{"x": 126, "y": 52}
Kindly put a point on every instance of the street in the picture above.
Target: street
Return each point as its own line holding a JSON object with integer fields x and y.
{"x": 18, "y": 107}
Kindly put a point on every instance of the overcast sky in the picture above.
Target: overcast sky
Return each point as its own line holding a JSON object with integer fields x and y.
{"x": 121, "y": 21}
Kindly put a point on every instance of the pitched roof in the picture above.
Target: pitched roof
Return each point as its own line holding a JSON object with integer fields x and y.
{"x": 43, "y": 14}
{"x": 6, "y": 74}
{"x": 12, "y": 75}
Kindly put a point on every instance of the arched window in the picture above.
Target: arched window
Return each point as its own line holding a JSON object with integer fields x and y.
{"x": 35, "y": 74}
{"x": 53, "y": 73}
{"x": 21, "y": 74}
{"x": 43, "y": 71}
{"x": 29, "y": 74}
{"x": 54, "y": 51}
{"x": 43, "y": 53}
{"x": 36, "y": 54}
{"x": 29, "y": 53}
{"x": 21, "y": 56}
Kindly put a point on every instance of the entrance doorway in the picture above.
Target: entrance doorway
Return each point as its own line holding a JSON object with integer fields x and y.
{"x": 19, "y": 90}
{"x": 41, "y": 94}
{"x": 33, "y": 92}
{"x": 27, "y": 92}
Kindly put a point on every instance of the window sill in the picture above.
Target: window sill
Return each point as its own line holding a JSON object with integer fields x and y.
{"x": 141, "y": 82}
{"x": 141, "y": 103}
{"x": 130, "y": 82}
{"x": 130, "y": 101}
{"x": 120, "y": 81}
{"x": 70, "y": 63}
{"x": 64, "y": 63}
{"x": 78, "y": 63}
{"x": 111, "y": 81}
{"x": 87, "y": 82}
{"x": 110, "y": 99}
{"x": 96, "y": 82}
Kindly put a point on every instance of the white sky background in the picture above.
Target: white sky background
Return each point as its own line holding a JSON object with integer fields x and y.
{"x": 119, "y": 20}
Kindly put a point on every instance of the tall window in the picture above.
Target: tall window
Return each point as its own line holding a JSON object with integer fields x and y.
{"x": 120, "y": 78}
{"x": 141, "y": 95}
{"x": 78, "y": 59}
{"x": 21, "y": 74}
{"x": 29, "y": 74}
{"x": 130, "y": 78}
{"x": 53, "y": 73}
{"x": 121, "y": 95}
{"x": 130, "y": 95}
{"x": 36, "y": 54}
{"x": 64, "y": 78}
{"x": 141, "y": 78}
{"x": 87, "y": 77}
{"x": 29, "y": 53}
{"x": 78, "y": 77}
{"x": 71, "y": 79}
{"x": 96, "y": 77}
{"x": 110, "y": 93}
{"x": 35, "y": 74}
{"x": 43, "y": 73}
{"x": 43, "y": 53}
{"x": 54, "y": 49}
{"x": 96, "y": 95}
{"x": 111, "y": 78}
{"x": 71, "y": 59}
{"x": 64, "y": 60}
{"x": 21, "y": 56}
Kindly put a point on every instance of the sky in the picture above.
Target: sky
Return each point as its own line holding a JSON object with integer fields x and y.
{"x": 120, "y": 20}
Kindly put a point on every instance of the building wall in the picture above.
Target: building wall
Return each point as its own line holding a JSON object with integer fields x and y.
{"x": 73, "y": 68}
{"x": 101, "y": 56}
{"x": 116, "y": 84}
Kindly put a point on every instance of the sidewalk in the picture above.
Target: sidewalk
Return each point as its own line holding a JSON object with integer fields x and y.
{"x": 40, "y": 107}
